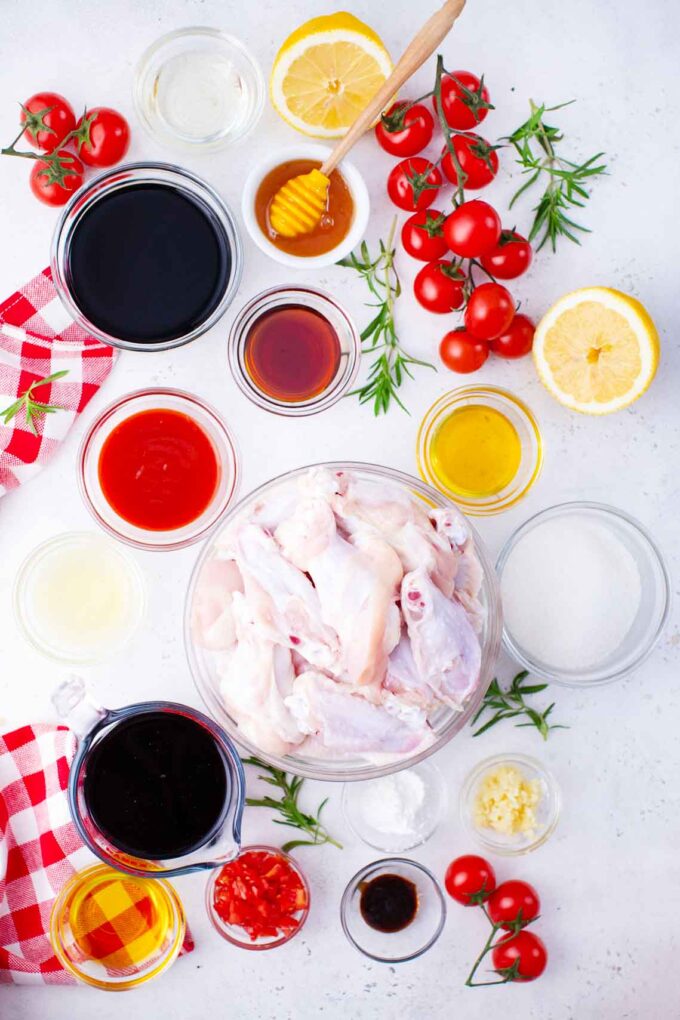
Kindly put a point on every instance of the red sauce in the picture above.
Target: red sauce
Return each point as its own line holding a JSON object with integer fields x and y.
{"x": 158, "y": 470}
{"x": 292, "y": 353}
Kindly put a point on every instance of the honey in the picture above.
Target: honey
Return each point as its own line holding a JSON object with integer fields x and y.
{"x": 476, "y": 451}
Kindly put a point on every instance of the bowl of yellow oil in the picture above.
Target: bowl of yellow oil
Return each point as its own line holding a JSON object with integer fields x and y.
{"x": 482, "y": 447}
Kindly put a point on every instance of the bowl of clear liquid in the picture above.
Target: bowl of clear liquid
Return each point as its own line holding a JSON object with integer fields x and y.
{"x": 198, "y": 89}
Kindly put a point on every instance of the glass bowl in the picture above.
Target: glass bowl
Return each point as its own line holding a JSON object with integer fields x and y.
{"x": 652, "y": 613}
{"x": 235, "y": 933}
{"x": 145, "y": 400}
{"x": 35, "y": 599}
{"x": 410, "y": 942}
{"x": 332, "y": 311}
{"x": 445, "y": 722}
{"x": 511, "y": 408}
{"x": 163, "y": 74}
{"x": 547, "y": 809}
{"x": 359, "y": 815}
{"x": 132, "y": 175}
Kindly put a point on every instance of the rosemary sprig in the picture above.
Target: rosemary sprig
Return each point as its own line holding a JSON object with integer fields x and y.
{"x": 389, "y": 369}
{"x": 510, "y": 703}
{"x": 534, "y": 143}
{"x": 33, "y": 408}
{"x": 288, "y": 807}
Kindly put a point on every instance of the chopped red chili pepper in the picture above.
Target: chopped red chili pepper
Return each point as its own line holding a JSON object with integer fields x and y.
{"x": 261, "y": 893}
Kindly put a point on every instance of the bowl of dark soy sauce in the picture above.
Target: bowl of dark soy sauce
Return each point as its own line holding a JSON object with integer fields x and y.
{"x": 146, "y": 257}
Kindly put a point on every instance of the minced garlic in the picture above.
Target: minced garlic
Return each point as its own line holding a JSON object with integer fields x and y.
{"x": 506, "y": 801}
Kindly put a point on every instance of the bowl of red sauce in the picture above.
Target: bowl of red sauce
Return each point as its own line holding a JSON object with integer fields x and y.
{"x": 158, "y": 469}
{"x": 294, "y": 350}
{"x": 260, "y": 900}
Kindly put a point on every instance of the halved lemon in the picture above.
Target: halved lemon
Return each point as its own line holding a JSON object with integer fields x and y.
{"x": 326, "y": 72}
{"x": 596, "y": 350}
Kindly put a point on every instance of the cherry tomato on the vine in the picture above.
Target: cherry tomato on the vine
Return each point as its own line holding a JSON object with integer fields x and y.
{"x": 513, "y": 901}
{"x": 439, "y": 286}
{"x": 465, "y": 100}
{"x": 525, "y": 951}
{"x": 412, "y": 137}
{"x": 510, "y": 257}
{"x": 401, "y": 179}
{"x": 478, "y": 160}
{"x": 423, "y": 237}
{"x": 107, "y": 138}
{"x": 472, "y": 229}
{"x": 44, "y": 184}
{"x": 490, "y": 310}
{"x": 51, "y": 127}
{"x": 470, "y": 876}
{"x": 517, "y": 340}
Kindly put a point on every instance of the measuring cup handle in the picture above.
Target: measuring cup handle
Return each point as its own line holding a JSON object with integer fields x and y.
{"x": 75, "y": 706}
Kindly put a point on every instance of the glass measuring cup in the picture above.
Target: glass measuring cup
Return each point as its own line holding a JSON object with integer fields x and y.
{"x": 94, "y": 725}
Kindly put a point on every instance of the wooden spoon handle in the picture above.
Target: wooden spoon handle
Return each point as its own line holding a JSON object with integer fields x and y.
{"x": 416, "y": 53}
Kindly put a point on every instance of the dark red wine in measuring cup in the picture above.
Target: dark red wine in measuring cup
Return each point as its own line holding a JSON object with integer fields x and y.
{"x": 156, "y": 785}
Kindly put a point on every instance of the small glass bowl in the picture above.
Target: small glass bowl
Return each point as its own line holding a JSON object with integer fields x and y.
{"x": 154, "y": 72}
{"x": 146, "y": 400}
{"x": 652, "y": 612}
{"x": 547, "y": 810}
{"x": 332, "y": 311}
{"x": 46, "y": 639}
{"x": 412, "y": 941}
{"x": 235, "y": 933}
{"x": 433, "y": 810}
{"x": 527, "y": 429}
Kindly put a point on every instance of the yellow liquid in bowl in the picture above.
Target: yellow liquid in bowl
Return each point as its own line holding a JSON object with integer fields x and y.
{"x": 476, "y": 451}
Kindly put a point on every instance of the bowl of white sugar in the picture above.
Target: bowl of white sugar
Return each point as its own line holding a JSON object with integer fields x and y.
{"x": 585, "y": 594}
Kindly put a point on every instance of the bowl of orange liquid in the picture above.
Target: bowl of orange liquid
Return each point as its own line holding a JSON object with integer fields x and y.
{"x": 344, "y": 221}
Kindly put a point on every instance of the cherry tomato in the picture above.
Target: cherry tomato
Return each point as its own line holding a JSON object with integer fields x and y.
{"x": 527, "y": 949}
{"x": 489, "y": 312}
{"x": 423, "y": 237}
{"x": 106, "y": 139}
{"x": 439, "y": 286}
{"x": 44, "y": 185}
{"x": 51, "y": 127}
{"x": 463, "y": 353}
{"x": 517, "y": 340}
{"x": 513, "y": 901}
{"x": 465, "y": 100}
{"x": 400, "y": 186}
{"x": 510, "y": 257}
{"x": 472, "y": 229}
{"x": 415, "y": 134}
{"x": 478, "y": 161}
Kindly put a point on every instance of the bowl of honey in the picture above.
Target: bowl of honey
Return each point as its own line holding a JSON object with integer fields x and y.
{"x": 294, "y": 350}
{"x": 481, "y": 446}
{"x": 342, "y": 225}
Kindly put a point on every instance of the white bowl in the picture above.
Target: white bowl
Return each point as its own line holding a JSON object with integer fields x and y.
{"x": 357, "y": 187}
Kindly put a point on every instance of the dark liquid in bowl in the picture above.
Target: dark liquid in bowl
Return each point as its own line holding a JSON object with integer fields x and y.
{"x": 156, "y": 785}
{"x": 148, "y": 263}
{"x": 388, "y": 903}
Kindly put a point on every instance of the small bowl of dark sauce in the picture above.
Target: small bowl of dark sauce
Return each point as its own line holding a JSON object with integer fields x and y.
{"x": 294, "y": 350}
{"x": 393, "y": 910}
{"x": 146, "y": 257}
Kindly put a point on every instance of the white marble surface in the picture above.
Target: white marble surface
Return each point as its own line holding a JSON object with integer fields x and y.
{"x": 610, "y": 876}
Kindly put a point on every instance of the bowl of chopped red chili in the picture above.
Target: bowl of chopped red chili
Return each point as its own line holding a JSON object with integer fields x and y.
{"x": 259, "y": 900}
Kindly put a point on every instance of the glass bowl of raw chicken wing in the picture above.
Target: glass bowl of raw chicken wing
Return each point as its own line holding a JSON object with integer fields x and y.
{"x": 343, "y": 622}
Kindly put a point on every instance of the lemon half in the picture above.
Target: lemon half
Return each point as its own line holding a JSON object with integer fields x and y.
{"x": 326, "y": 73}
{"x": 596, "y": 350}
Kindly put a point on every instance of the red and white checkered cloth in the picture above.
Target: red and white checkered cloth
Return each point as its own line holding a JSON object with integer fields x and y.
{"x": 40, "y": 850}
{"x": 38, "y": 338}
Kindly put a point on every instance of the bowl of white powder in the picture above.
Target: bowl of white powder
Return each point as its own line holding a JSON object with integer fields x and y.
{"x": 585, "y": 594}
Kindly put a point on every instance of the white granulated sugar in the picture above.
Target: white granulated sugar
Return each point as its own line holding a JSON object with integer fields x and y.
{"x": 394, "y": 804}
{"x": 571, "y": 591}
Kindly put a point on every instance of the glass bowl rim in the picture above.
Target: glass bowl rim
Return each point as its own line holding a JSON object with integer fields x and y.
{"x": 217, "y": 922}
{"x": 404, "y": 862}
{"x": 600, "y": 678}
{"x": 248, "y": 314}
{"x": 89, "y": 193}
{"x": 491, "y": 645}
{"x": 220, "y": 426}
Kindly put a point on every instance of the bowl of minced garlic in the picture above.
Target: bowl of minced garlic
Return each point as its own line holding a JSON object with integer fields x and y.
{"x": 510, "y": 804}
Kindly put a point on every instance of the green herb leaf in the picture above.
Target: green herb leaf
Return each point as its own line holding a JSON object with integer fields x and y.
{"x": 33, "y": 408}
{"x": 510, "y": 703}
{"x": 287, "y": 806}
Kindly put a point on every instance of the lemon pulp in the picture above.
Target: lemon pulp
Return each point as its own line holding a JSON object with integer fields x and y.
{"x": 476, "y": 451}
